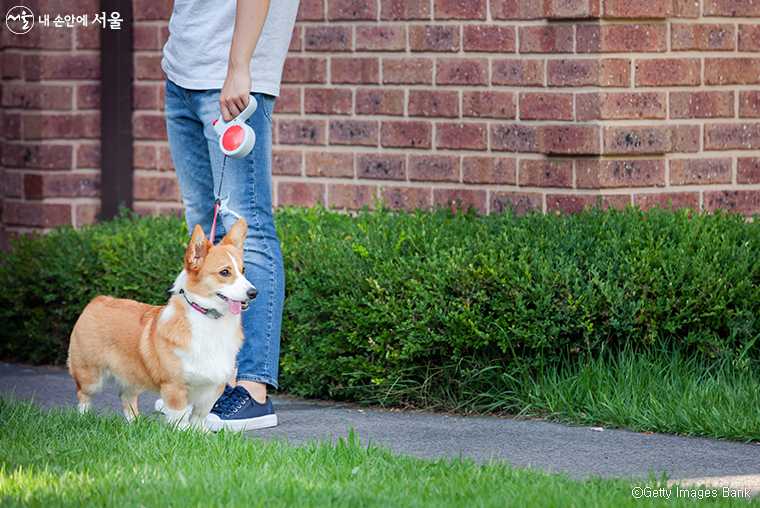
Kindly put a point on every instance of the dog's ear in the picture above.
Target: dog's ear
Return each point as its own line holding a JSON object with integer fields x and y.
{"x": 198, "y": 249}
{"x": 236, "y": 236}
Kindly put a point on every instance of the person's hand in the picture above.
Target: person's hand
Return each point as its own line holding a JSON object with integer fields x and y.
{"x": 235, "y": 93}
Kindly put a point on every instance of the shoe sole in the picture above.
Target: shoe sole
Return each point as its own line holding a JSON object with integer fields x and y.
{"x": 260, "y": 422}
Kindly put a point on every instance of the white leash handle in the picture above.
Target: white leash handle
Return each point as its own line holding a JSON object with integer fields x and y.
{"x": 236, "y": 139}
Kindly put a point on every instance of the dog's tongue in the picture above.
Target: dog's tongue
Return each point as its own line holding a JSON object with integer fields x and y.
{"x": 235, "y": 306}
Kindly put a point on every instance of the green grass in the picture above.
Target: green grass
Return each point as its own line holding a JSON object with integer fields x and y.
{"x": 661, "y": 391}
{"x": 59, "y": 458}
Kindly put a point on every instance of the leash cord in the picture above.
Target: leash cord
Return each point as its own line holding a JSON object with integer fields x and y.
{"x": 217, "y": 202}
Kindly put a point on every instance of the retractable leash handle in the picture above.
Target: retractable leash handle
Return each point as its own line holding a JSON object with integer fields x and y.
{"x": 236, "y": 139}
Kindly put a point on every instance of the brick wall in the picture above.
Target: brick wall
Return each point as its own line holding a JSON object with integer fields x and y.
{"x": 537, "y": 103}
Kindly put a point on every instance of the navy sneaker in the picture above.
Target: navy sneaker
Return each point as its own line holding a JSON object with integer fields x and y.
{"x": 239, "y": 412}
{"x": 226, "y": 393}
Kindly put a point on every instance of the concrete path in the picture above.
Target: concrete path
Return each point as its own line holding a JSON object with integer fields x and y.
{"x": 579, "y": 451}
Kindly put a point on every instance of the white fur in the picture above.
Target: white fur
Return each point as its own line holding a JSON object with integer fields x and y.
{"x": 83, "y": 408}
{"x": 166, "y": 314}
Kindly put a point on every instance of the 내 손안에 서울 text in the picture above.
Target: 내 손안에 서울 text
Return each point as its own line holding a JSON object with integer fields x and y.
{"x": 689, "y": 492}
{"x": 21, "y": 19}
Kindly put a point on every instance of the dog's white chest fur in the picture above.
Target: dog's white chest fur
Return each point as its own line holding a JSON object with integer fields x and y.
{"x": 211, "y": 358}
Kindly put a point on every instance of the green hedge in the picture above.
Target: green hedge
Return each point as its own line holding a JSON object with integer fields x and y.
{"x": 394, "y": 307}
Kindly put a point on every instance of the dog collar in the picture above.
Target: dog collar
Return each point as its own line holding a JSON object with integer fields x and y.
{"x": 212, "y": 313}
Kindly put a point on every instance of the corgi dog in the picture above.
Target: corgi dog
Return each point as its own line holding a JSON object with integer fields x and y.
{"x": 184, "y": 350}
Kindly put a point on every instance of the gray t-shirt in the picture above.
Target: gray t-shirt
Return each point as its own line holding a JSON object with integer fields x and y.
{"x": 198, "y": 49}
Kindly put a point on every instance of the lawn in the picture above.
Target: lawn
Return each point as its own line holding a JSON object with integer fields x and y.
{"x": 59, "y": 458}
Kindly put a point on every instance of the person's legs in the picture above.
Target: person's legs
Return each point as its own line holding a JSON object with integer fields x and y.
{"x": 246, "y": 192}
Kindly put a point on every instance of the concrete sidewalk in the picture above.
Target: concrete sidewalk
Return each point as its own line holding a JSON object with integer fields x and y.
{"x": 579, "y": 451}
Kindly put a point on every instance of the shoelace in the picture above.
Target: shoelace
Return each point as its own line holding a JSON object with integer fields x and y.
{"x": 234, "y": 401}
{"x": 227, "y": 390}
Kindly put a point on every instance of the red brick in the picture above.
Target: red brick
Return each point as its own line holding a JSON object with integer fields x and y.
{"x": 749, "y": 37}
{"x": 518, "y": 72}
{"x": 493, "y": 170}
{"x": 667, "y": 200}
{"x": 36, "y": 96}
{"x": 332, "y": 164}
{"x": 701, "y": 104}
{"x": 520, "y": 202}
{"x": 641, "y": 9}
{"x": 327, "y": 101}
{"x": 352, "y": 197}
{"x": 404, "y": 9}
{"x": 732, "y": 136}
{"x": 37, "y": 156}
{"x": 152, "y": 10}
{"x": 702, "y": 37}
{"x": 436, "y": 38}
{"x": 515, "y": 138}
{"x": 439, "y": 103}
{"x": 289, "y": 101}
{"x": 571, "y": 203}
{"x": 491, "y": 38}
{"x": 732, "y": 8}
{"x": 150, "y": 188}
{"x": 355, "y": 71}
{"x": 353, "y": 132}
{"x": 582, "y": 72}
{"x": 143, "y": 156}
{"x": 296, "y": 39}
{"x": 732, "y": 71}
{"x": 588, "y": 38}
{"x": 546, "y": 106}
{"x": 63, "y": 126}
{"x": 36, "y": 214}
{"x": 305, "y": 194}
{"x": 749, "y": 104}
{"x": 700, "y": 171}
{"x": 149, "y": 126}
{"x": 89, "y": 38}
{"x": 632, "y": 105}
{"x": 588, "y": 173}
{"x": 748, "y": 170}
{"x": 286, "y": 162}
{"x": 571, "y": 9}
{"x": 11, "y": 184}
{"x": 685, "y": 138}
{"x": 546, "y": 39}
{"x": 406, "y": 198}
{"x": 379, "y": 102}
{"x": 304, "y": 70}
{"x": 633, "y": 173}
{"x": 517, "y": 9}
{"x": 668, "y": 72}
{"x": 501, "y": 105}
{"x": 381, "y": 167}
{"x": 434, "y": 168}
{"x": 407, "y": 71}
{"x": 686, "y": 8}
{"x": 459, "y": 9}
{"x": 351, "y": 10}
{"x": 144, "y": 96}
{"x": 149, "y": 67}
{"x": 461, "y": 71}
{"x": 144, "y": 37}
{"x": 629, "y": 140}
{"x": 301, "y": 132}
{"x": 636, "y": 38}
{"x": 328, "y": 38}
{"x": 165, "y": 161}
{"x": 86, "y": 213}
{"x": 545, "y": 173}
{"x": 570, "y": 139}
{"x": 461, "y": 136}
{"x": 461, "y": 199}
{"x": 406, "y": 134}
{"x": 746, "y": 202}
{"x": 311, "y": 10}
{"x": 67, "y": 185}
{"x": 615, "y": 72}
{"x": 380, "y": 38}
{"x": 12, "y": 126}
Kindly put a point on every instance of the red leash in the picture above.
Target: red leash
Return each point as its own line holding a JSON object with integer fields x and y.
{"x": 217, "y": 202}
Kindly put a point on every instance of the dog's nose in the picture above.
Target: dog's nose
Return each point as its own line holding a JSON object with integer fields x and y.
{"x": 252, "y": 293}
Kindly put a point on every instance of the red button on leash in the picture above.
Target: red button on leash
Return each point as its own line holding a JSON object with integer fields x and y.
{"x": 233, "y": 137}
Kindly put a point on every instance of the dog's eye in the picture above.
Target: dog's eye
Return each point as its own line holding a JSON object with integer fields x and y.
{"x": 225, "y": 273}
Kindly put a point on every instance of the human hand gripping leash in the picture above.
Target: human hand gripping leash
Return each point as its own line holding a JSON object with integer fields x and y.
{"x": 236, "y": 140}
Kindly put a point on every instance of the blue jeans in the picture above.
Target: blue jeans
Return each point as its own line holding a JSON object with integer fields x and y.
{"x": 246, "y": 192}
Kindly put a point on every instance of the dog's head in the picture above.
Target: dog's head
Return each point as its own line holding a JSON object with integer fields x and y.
{"x": 216, "y": 273}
